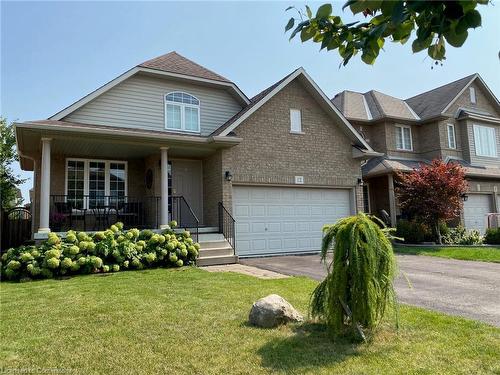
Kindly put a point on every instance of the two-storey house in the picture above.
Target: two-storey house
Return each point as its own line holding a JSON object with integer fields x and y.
{"x": 457, "y": 122}
{"x": 170, "y": 139}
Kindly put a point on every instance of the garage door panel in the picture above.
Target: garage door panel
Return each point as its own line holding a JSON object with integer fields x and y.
{"x": 285, "y": 220}
{"x": 476, "y": 209}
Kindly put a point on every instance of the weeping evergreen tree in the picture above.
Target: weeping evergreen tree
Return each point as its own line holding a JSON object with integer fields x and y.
{"x": 358, "y": 288}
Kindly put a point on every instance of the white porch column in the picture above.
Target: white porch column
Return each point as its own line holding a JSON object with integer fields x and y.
{"x": 392, "y": 200}
{"x": 164, "y": 188}
{"x": 45, "y": 186}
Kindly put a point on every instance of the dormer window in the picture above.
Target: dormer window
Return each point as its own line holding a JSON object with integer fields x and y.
{"x": 472, "y": 94}
{"x": 182, "y": 112}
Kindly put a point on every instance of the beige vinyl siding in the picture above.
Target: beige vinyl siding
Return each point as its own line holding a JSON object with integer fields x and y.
{"x": 482, "y": 160}
{"x": 138, "y": 102}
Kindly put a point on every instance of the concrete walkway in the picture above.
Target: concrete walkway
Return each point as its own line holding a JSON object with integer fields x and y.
{"x": 457, "y": 287}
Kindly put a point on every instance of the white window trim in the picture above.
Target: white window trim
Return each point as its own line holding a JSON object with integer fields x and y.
{"x": 472, "y": 95}
{"x": 86, "y": 176}
{"x": 301, "y": 131}
{"x": 474, "y": 126}
{"x": 402, "y": 138}
{"x": 183, "y": 106}
{"x": 452, "y": 127}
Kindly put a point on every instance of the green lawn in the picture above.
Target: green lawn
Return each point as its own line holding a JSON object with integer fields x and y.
{"x": 195, "y": 322}
{"x": 485, "y": 254}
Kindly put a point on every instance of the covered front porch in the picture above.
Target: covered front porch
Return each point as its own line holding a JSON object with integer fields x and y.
{"x": 87, "y": 177}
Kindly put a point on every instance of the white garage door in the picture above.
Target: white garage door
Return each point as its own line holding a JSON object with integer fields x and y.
{"x": 274, "y": 220}
{"x": 476, "y": 208}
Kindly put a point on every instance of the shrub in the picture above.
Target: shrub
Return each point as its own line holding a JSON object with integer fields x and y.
{"x": 492, "y": 236}
{"x": 413, "y": 231}
{"x": 108, "y": 251}
{"x": 461, "y": 236}
{"x": 359, "y": 285}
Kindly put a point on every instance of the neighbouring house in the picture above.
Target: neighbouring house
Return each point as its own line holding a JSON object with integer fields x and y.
{"x": 170, "y": 139}
{"x": 457, "y": 122}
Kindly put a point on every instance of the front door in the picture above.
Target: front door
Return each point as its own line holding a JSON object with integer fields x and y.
{"x": 187, "y": 181}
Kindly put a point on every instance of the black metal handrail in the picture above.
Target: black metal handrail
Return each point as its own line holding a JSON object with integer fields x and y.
{"x": 182, "y": 212}
{"x": 227, "y": 225}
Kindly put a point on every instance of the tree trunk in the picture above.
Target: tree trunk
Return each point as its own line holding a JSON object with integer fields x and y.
{"x": 438, "y": 233}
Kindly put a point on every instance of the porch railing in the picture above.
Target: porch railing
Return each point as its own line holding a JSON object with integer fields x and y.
{"x": 181, "y": 211}
{"x": 99, "y": 212}
{"x": 227, "y": 225}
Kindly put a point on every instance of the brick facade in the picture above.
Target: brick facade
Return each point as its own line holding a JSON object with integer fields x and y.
{"x": 270, "y": 154}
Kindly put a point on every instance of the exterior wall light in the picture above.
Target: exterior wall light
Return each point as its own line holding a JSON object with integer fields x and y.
{"x": 360, "y": 182}
{"x": 228, "y": 176}
{"x": 464, "y": 197}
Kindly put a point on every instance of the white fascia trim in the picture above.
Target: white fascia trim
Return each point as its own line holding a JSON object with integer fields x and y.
{"x": 114, "y": 132}
{"x": 101, "y": 90}
{"x": 94, "y": 94}
{"x": 460, "y": 93}
{"x": 198, "y": 79}
{"x": 162, "y": 137}
{"x": 367, "y": 109}
{"x": 259, "y": 104}
{"x": 278, "y": 88}
{"x": 417, "y": 117}
{"x": 339, "y": 114}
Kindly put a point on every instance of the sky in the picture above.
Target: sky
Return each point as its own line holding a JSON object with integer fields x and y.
{"x": 54, "y": 53}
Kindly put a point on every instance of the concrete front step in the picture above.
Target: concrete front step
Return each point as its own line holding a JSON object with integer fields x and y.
{"x": 217, "y": 260}
{"x": 214, "y": 244}
{"x": 205, "y": 237}
{"x": 219, "y": 251}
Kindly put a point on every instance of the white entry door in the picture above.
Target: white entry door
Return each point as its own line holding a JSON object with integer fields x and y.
{"x": 279, "y": 220}
{"x": 476, "y": 208}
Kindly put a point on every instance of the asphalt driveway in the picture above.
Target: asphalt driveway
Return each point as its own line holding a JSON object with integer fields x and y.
{"x": 457, "y": 287}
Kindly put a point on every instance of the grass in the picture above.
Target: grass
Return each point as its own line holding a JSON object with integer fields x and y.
{"x": 189, "y": 321}
{"x": 484, "y": 254}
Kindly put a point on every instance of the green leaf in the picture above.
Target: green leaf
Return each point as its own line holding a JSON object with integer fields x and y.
{"x": 299, "y": 28}
{"x": 334, "y": 44}
{"x": 419, "y": 45}
{"x": 368, "y": 58}
{"x": 473, "y": 18}
{"x": 306, "y": 34}
{"x": 398, "y": 13}
{"x": 324, "y": 11}
{"x": 358, "y": 6}
{"x": 308, "y": 11}
{"x": 461, "y": 26}
{"x": 348, "y": 3}
{"x": 290, "y": 24}
{"x": 290, "y": 7}
{"x": 456, "y": 40}
{"x": 436, "y": 51}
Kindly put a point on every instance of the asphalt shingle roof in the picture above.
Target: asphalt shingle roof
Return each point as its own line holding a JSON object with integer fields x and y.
{"x": 174, "y": 63}
{"x": 432, "y": 103}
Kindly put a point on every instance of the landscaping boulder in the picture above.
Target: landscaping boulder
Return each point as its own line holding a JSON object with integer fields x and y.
{"x": 271, "y": 311}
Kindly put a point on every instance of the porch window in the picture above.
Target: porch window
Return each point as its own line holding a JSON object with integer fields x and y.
{"x": 182, "y": 112}
{"x": 75, "y": 182}
{"x": 91, "y": 183}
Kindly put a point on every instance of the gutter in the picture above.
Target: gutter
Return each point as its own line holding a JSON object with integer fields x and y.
{"x": 131, "y": 133}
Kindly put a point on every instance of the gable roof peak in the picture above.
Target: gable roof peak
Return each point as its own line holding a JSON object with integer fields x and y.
{"x": 174, "y": 62}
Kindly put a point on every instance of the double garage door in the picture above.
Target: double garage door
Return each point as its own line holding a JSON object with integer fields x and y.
{"x": 283, "y": 220}
{"x": 476, "y": 209}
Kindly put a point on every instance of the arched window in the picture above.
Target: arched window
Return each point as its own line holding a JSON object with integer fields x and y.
{"x": 182, "y": 112}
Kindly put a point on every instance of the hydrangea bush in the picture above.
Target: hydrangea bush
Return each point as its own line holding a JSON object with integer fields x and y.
{"x": 112, "y": 250}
